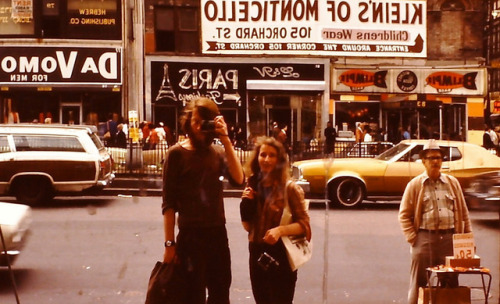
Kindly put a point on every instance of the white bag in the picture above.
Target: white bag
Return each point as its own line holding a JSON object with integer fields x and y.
{"x": 298, "y": 248}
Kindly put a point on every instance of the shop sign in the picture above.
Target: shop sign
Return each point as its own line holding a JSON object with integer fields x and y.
{"x": 470, "y": 82}
{"x": 179, "y": 81}
{"x": 420, "y": 104}
{"x": 60, "y": 66}
{"x": 22, "y": 11}
{"x": 382, "y": 28}
{"x": 92, "y": 12}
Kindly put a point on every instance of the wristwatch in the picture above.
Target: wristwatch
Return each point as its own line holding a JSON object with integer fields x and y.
{"x": 169, "y": 243}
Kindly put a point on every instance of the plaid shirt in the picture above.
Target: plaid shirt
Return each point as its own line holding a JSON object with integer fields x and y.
{"x": 438, "y": 207}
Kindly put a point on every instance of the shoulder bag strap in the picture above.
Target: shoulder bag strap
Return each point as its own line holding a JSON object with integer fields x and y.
{"x": 286, "y": 218}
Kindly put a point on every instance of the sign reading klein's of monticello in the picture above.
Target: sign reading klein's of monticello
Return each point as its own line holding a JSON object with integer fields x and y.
{"x": 377, "y": 28}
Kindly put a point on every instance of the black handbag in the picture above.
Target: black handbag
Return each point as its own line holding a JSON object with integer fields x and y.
{"x": 166, "y": 284}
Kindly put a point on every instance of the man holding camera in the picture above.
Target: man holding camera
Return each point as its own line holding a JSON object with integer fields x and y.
{"x": 192, "y": 188}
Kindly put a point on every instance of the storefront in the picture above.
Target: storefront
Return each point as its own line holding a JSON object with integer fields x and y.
{"x": 71, "y": 85}
{"x": 251, "y": 93}
{"x": 428, "y": 103}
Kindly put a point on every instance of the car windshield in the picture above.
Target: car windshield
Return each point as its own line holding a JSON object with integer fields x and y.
{"x": 389, "y": 154}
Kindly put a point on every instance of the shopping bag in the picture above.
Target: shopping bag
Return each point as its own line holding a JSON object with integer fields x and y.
{"x": 166, "y": 284}
{"x": 298, "y": 250}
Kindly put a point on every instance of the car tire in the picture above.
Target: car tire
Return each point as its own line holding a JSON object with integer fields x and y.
{"x": 346, "y": 193}
{"x": 32, "y": 190}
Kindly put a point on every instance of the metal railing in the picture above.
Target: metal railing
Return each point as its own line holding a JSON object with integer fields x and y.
{"x": 137, "y": 159}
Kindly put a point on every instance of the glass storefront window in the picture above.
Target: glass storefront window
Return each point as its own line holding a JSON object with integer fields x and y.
{"x": 347, "y": 114}
{"x": 16, "y": 18}
{"x": 299, "y": 115}
{"x": 93, "y": 19}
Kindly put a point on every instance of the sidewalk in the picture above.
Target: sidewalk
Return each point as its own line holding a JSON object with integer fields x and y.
{"x": 150, "y": 185}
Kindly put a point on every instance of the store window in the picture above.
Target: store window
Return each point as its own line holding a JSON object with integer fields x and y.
{"x": 16, "y": 18}
{"x": 73, "y": 19}
{"x": 176, "y": 29}
{"x": 299, "y": 115}
{"x": 349, "y": 113}
{"x": 93, "y": 19}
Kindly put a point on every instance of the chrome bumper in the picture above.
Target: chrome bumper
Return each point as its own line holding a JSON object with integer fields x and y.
{"x": 105, "y": 182}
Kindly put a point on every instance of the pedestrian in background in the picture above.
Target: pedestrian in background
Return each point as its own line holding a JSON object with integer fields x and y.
{"x": 360, "y": 134}
{"x": 193, "y": 189}
{"x": 120, "y": 137}
{"x": 263, "y": 200}
{"x": 330, "y": 137}
{"x": 432, "y": 209}
{"x": 487, "y": 142}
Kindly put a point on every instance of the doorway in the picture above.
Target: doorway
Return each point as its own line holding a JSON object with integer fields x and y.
{"x": 70, "y": 113}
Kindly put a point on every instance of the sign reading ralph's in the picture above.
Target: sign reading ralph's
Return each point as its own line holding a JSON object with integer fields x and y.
{"x": 315, "y": 27}
{"x": 60, "y": 65}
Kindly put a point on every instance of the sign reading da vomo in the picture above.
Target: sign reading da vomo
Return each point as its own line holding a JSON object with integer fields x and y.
{"x": 60, "y": 65}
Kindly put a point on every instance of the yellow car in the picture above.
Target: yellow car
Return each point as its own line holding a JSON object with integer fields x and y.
{"x": 351, "y": 180}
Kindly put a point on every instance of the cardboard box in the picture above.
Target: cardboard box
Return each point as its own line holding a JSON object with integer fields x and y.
{"x": 436, "y": 295}
{"x": 465, "y": 263}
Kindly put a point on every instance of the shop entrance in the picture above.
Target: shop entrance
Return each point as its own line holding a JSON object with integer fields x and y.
{"x": 168, "y": 115}
{"x": 299, "y": 114}
{"x": 70, "y": 113}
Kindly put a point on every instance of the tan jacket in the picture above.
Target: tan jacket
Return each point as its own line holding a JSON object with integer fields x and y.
{"x": 269, "y": 213}
{"x": 410, "y": 210}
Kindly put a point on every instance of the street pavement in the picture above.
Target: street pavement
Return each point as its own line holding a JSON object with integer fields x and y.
{"x": 102, "y": 249}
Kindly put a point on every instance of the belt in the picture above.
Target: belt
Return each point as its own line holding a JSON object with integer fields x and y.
{"x": 439, "y": 231}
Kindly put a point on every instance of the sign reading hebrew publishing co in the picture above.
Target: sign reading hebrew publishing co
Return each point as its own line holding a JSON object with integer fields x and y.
{"x": 378, "y": 28}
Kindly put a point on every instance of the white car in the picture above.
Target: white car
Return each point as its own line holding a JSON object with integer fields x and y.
{"x": 39, "y": 161}
{"x": 15, "y": 221}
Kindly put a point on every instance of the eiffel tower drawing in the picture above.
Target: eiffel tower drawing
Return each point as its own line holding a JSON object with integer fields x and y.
{"x": 166, "y": 90}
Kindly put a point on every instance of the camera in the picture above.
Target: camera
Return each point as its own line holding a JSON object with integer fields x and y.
{"x": 207, "y": 126}
{"x": 267, "y": 262}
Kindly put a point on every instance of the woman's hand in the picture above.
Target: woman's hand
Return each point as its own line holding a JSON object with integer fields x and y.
{"x": 273, "y": 235}
{"x": 248, "y": 193}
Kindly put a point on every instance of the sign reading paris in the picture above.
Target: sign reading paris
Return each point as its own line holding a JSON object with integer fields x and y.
{"x": 311, "y": 27}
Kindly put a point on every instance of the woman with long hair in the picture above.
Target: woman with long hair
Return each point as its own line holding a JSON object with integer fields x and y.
{"x": 263, "y": 200}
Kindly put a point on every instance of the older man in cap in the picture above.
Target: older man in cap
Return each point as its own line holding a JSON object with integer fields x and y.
{"x": 432, "y": 209}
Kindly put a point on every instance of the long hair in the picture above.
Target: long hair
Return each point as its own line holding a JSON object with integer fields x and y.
{"x": 206, "y": 107}
{"x": 281, "y": 172}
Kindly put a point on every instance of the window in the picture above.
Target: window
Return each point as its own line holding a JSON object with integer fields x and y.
{"x": 74, "y": 19}
{"x": 93, "y": 19}
{"x": 176, "y": 29}
{"x": 4, "y": 144}
{"x": 46, "y": 143}
{"x": 16, "y": 19}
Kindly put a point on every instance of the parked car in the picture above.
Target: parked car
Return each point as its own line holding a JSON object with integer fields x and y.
{"x": 483, "y": 192}
{"x": 39, "y": 161}
{"x": 348, "y": 181}
{"x": 15, "y": 221}
{"x": 368, "y": 149}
